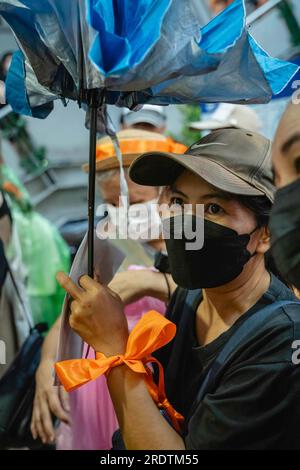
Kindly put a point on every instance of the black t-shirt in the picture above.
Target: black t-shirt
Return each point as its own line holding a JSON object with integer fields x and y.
{"x": 256, "y": 404}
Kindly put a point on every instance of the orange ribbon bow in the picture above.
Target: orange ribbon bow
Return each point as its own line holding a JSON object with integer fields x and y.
{"x": 152, "y": 332}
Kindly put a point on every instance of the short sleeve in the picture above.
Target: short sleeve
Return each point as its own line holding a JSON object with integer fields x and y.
{"x": 253, "y": 407}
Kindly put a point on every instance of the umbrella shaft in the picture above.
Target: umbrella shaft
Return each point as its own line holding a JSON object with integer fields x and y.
{"x": 91, "y": 196}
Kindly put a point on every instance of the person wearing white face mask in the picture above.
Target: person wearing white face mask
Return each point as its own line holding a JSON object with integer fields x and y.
{"x": 92, "y": 429}
{"x": 140, "y": 221}
{"x": 128, "y": 222}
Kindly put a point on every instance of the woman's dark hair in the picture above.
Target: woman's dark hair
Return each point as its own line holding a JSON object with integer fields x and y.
{"x": 261, "y": 207}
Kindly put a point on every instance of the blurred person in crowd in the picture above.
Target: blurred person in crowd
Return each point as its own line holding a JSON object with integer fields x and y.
{"x": 90, "y": 411}
{"x": 149, "y": 118}
{"x": 219, "y": 5}
{"x": 14, "y": 327}
{"x": 254, "y": 402}
{"x": 285, "y": 218}
{"x": 230, "y": 115}
{"x": 5, "y": 62}
{"x": 2, "y": 93}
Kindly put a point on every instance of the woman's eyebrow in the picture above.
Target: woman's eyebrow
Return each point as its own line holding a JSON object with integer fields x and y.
{"x": 177, "y": 191}
{"x": 214, "y": 194}
{"x": 294, "y": 139}
{"x": 218, "y": 195}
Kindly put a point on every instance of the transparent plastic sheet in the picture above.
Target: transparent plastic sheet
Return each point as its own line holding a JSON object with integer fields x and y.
{"x": 12, "y": 186}
{"x": 44, "y": 253}
{"x": 107, "y": 260}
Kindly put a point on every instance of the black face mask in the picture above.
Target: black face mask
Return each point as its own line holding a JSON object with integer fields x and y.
{"x": 220, "y": 260}
{"x": 3, "y": 265}
{"x": 285, "y": 232}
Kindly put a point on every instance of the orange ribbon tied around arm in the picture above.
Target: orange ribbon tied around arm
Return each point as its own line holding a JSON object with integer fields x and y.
{"x": 152, "y": 332}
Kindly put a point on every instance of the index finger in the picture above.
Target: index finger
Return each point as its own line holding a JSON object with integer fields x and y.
{"x": 88, "y": 283}
{"x": 68, "y": 285}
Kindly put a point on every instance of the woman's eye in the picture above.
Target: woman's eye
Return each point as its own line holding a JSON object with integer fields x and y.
{"x": 213, "y": 209}
{"x": 176, "y": 201}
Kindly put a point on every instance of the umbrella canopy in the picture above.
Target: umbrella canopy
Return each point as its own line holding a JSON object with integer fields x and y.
{"x": 135, "y": 53}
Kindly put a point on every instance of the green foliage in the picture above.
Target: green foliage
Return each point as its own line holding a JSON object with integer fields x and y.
{"x": 286, "y": 10}
{"x": 187, "y": 136}
{"x": 32, "y": 157}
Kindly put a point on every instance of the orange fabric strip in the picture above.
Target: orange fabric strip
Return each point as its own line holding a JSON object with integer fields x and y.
{"x": 139, "y": 146}
{"x": 152, "y": 332}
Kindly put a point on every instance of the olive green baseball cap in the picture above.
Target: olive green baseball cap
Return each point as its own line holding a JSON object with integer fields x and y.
{"x": 234, "y": 160}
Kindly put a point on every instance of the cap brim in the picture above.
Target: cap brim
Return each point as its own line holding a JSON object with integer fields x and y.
{"x": 162, "y": 169}
{"x": 209, "y": 125}
{"x": 112, "y": 163}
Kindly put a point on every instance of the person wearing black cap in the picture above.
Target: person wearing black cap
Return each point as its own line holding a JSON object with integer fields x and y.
{"x": 231, "y": 369}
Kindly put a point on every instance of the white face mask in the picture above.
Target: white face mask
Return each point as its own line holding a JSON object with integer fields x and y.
{"x": 141, "y": 222}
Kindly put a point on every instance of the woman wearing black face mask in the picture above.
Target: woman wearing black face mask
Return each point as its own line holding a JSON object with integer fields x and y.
{"x": 230, "y": 370}
{"x": 229, "y": 173}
